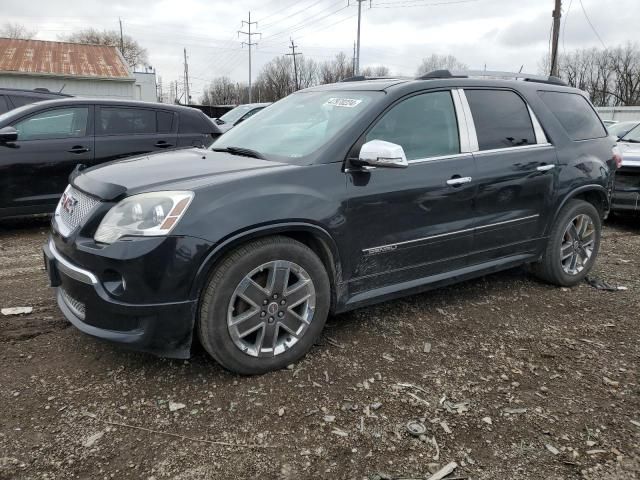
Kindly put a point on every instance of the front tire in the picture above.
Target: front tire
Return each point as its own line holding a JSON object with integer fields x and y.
{"x": 573, "y": 245}
{"x": 264, "y": 306}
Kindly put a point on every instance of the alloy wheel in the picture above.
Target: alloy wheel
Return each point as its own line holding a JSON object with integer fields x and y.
{"x": 577, "y": 246}
{"x": 271, "y": 308}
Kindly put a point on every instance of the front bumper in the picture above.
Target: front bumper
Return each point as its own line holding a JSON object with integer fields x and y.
{"x": 163, "y": 329}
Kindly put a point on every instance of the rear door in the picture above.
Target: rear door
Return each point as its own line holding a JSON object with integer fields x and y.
{"x": 123, "y": 131}
{"x": 515, "y": 177}
{"x": 51, "y": 143}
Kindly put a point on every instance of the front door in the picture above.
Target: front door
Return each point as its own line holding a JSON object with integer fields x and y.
{"x": 412, "y": 223}
{"x": 515, "y": 177}
{"x": 35, "y": 169}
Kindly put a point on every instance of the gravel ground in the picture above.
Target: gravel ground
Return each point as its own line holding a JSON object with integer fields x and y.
{"x": 509, "y": 377}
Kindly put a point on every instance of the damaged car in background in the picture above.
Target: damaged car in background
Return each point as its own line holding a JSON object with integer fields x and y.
{"x": 626, "y": 195}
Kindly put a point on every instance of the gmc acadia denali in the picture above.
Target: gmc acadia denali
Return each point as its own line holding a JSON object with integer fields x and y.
{"x": 333, "y": 198}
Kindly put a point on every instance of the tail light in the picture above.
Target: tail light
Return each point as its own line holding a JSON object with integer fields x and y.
{"x": 617, "y": 156}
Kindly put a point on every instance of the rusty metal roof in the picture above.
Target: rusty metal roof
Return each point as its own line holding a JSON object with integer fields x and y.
{"x": 40, "y": 57}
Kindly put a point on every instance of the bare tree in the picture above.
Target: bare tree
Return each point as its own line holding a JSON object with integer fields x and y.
{"x": 611, "y": 77}
{"x": 376, "y": 71}
{"x": 221, "y": 91}
{"x": 133, "y": 53}
{"x": 16, "y": 31}
{"x": 277, "y": 78}
{"x": 339, "y": 68}
{"x": 440, "y": 62}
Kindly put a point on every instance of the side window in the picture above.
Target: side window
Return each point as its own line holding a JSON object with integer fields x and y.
{"x": 575, "y": 114}
{"x": 424, "y": 125}
{"x": 125, "y": 121}
{"x": 165, "y": 122}
{"x": 57, "y": 123}
{"x": 501, "y": 119}
{"x": 4, "y": 107}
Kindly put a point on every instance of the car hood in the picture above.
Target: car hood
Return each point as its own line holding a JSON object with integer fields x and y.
{"x": 159, "y": 171}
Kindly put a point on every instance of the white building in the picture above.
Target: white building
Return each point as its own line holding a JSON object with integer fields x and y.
{"x": 76, "y": 69}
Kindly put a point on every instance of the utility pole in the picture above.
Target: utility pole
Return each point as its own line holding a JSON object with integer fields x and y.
{"x": 357, "y": 69}
{"x": 295, "y": 65}
{"x": 121, "y": 37}
{"x": 353, "y": 68}
{"x": 557, "y": 13}
{"x": 249, "y": 44}
{"x": 186, "y": 79}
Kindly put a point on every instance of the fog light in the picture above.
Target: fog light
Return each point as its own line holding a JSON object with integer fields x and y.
{"x": 113, "y": 282}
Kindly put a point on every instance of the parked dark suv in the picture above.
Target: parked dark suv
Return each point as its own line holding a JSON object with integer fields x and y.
{"x": 333, "y": 198}
{"x": 11, "y": 98}
{"x": 41, "y": 144}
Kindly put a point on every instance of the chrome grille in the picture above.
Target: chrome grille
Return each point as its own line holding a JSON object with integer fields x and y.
{"x": 76, "y": 306}
{"x": 71, "y": 218}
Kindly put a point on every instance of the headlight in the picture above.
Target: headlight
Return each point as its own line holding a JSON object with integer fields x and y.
{"x": 146, "y": 214}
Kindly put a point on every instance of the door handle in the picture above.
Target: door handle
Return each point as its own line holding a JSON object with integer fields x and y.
{"x": 545, "y": 168}
{"x": 163, "y": 144}
{"x": 457, "y": 181}
{"x": 79, "y": 149}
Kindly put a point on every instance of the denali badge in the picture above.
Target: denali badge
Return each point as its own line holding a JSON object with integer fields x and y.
{"x": 376, "y": 250}
{"x": 68, "y": 203}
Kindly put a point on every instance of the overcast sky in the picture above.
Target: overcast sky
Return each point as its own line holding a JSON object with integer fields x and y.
{"x": 501, "y": 34}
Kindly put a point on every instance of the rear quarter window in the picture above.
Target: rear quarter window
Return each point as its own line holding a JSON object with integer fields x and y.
{"x": 575, "y": 114}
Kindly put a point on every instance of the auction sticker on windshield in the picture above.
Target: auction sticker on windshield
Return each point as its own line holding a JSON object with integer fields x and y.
{"x": 343, "y": 102}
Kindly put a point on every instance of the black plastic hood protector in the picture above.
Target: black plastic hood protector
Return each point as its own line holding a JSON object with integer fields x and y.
{"x": 89, "y": 185}
{"x": 160, "y": 171}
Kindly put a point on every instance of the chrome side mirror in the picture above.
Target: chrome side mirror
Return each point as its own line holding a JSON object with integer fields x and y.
{"x": 378, "y": 153}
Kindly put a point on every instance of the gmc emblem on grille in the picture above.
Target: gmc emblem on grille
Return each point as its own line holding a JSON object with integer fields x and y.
{"x": 68, "y": 203}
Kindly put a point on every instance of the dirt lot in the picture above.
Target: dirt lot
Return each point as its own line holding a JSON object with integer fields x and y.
{"x": 511, "y": 378}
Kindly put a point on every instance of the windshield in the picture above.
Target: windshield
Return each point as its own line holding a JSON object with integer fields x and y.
{"x": 633, "y": 136}
{"x": 236, "y": 114}
{"x": 299, "y": 124}
{"x": 621, "y": 129}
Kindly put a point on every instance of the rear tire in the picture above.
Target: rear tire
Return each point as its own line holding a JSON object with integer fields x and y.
{"x": 573, "y": 245}
{"x": 264, "y": 306}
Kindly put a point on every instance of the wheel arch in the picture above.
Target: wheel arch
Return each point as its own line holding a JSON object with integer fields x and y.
{"x": 313, "y": 236}
{"x": 595, "y": 194}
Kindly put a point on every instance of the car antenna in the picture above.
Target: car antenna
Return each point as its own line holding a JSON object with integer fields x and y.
{"x": 63, "y": 85}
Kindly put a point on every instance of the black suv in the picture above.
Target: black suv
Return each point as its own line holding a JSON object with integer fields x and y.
{"x": 333, "y": 198}
{"x": 42, "y": 143}
{"x": 11, "y": 98}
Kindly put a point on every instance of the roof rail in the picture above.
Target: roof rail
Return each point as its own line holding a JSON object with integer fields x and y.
{"x": 362, "y": 78}
{"x": 527, "y": 77}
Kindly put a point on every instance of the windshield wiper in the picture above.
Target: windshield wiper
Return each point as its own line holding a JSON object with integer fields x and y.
{"x": 243, "y": 152}
{"x": 629, "y": 140}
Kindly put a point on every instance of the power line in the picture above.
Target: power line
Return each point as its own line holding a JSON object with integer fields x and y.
{"x": 591, "y": 25}
{"x": 280, "y": 20}
{"x": 410, "y": 5}
{"x": 300, "y": 25}
{"x": 564, "y": 25}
